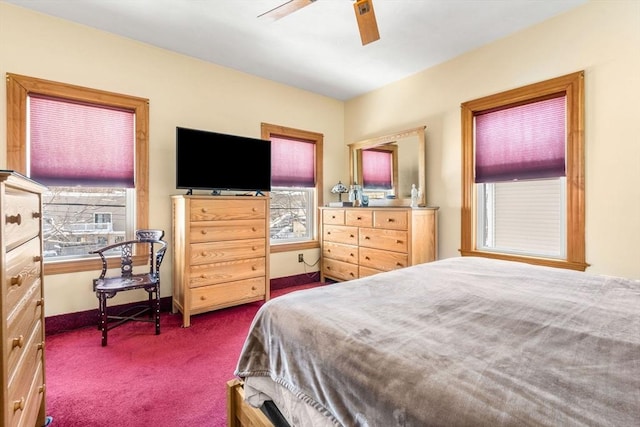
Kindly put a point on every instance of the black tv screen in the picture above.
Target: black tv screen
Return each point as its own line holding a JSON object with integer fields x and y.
{"x": 215, "y": 161}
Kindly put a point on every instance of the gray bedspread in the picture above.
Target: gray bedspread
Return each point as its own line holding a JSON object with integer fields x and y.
{"x": 458, "y": 342}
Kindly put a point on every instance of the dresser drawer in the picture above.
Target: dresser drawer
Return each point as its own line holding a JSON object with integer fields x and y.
{"x": 22, "y": 270}
{"x": 216, "y": 210}
{"x": 359, "y": 217}
{"x": 396, "y": 220}
{"x": 333, "y": 216}
{"x": 340, "y": 234}
{"x": 22, "y": 217}
{"x": 209, "y": 274}
{"x": 382, "y": 260}
{"x": 26, "y": 373}
{"x": 207, "y": 253}
{"x": 28, "y": 416}
{"x": 345, "y": 253}
{"x": 339, "y": 270}
{"x": 392, "y": 240}
{"x": 367, "y": 271}
{"x": 216, "y": 231}
{"x": 21, "y": 322}
{"x": 232, "y": 293}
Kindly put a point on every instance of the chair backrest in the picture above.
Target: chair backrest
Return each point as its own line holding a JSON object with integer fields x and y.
{"x": 152, "y": 238}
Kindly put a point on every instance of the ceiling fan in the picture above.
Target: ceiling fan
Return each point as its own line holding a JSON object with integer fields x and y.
{"x": 365, "y": 16}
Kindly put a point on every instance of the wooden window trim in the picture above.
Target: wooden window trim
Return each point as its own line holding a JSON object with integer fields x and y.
{"x": 267, "y": 131}
{"x": 18, "y": 89}
{"x": 572, "y": 85}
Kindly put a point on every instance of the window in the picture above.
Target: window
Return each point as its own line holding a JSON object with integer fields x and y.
{"x": 523, "y": 174}
{"x": 55, "y": 130}
{"x": 296, "y": 180}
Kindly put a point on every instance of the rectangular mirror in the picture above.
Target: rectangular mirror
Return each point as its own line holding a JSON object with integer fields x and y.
{"x": 387, "y": 166}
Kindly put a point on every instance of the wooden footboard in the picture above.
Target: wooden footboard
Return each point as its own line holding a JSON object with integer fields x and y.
{"x": 240, "y": 413}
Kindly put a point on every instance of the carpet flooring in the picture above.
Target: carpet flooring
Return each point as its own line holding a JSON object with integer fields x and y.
{"x": 140, "y": 379}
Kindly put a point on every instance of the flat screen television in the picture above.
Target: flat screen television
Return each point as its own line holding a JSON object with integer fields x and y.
{"x": 215, "y": 161}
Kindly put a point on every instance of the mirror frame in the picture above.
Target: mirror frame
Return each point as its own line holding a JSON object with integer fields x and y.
{"x": 418, "y": 132}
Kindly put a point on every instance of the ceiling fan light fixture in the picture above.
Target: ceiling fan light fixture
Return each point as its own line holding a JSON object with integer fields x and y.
{"x": 366, "y": 18}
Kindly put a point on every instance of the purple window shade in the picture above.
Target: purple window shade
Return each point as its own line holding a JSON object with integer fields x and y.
{"x": 80, "y": 144}
{"x": 523, "y": 142}
{"x": 293, "y": 163}
{"x": 376, "y": 169}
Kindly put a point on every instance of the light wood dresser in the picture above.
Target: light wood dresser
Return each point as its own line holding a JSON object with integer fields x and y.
{"x": 359, "y": 242}
{"x": 21, "y": 275}
{"x": 220, "y": 252}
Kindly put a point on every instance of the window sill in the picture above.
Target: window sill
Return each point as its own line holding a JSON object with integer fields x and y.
{"x": 548, "y": 262}
{"x": 289, "y": 247}
{"x": 86, "y": 264}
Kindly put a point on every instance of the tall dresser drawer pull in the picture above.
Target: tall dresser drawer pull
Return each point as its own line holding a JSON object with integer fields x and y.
{"x": 399, "y": 264}
{"x": 253, "y": 288}
{"x": 253, "y": 268}
{"x": 17, "y": 280}
{"x": 14, "y": 219}
{"x": 42, "y": 388}
{"x": 367, "y": 238}
{"x": 253, "y": 248}
{"x": 333, "y": 217}
{"x": 359, "y": 218}
{"x": 204, "y": 210}
{"x": 204, "y": 231}
{"x": 390, "y": 220}
{"x": 203, "y": 276}
{"x": 40, "y": 302}
{"x": 36, "y": 215}
{"x": 203, "y": 253}
{"x": 18, "y": 404}
{"x": 253, "y": 229}
{"x": 40, "y": 345}
{"x": 17, "y": 342}
{"x": 351, "y": 235}
{"x": 398, "y": 241}
{"x": 37, "y": 258}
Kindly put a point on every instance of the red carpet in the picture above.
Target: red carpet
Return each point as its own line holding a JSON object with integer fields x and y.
{"x": 140, "y": 379}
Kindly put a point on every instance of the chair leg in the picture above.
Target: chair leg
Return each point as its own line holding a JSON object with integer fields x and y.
{"x": 103, "y": 318}
{"x": 157, "y": 310}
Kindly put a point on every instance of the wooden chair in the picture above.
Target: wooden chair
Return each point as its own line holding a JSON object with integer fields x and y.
{"x": 149, "y": 242}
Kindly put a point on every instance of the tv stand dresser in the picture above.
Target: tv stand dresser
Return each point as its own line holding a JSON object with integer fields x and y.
{"x": 220, "y": 252}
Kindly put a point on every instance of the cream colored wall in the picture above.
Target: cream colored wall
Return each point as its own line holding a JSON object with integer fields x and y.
{"x": 602, "y": 38}
{"x": 182, "y": 91}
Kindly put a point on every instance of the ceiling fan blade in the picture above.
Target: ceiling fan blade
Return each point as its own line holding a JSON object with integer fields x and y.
{"x": 285, "y": 9}
{"x": 366, "y": 18}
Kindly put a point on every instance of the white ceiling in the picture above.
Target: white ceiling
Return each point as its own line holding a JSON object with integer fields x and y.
{"x": 316, "y": 48}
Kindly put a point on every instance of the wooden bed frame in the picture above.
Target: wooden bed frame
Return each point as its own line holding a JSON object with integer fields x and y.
{"x": 240, "y": 413}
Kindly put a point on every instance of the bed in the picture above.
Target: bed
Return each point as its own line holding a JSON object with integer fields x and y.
{"x": 462, "y": 341}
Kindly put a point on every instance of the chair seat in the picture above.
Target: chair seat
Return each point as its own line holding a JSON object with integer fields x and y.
{"x": 115, "y": 284}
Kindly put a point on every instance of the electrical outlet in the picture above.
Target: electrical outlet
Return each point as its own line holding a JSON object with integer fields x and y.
{"x": 300, "y": 258}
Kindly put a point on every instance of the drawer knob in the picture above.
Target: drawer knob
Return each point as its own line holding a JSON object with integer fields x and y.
{"x": 202, "y": 298}
{"x": 333, "y": 217}
{"x": 40, "y": 345}
{"x": 351, "y": 235}
{"x": 253, "y": 288}
{"x": 203, "y": 231}
{"x": 17, "y": 342}
{"x": 390, "y": 220}
{"x": 17, "y": 280}
{"x": 367, "y": 258}
{"x": 254, "y": 209}
{"x": 253, "y": 229}
{"x": 40, "y": 302}
{"x": 328, "y": 250}
{"x": 18, "y": 404}
{"x": 351, "y": 255}
{"x": 42, "y": 388}
{"x": 399, "y": 264}
{"x": 203, "y": 276}
{"x": 14, "y": 219}
{"x": 37, "y": 258}
{"x": 398, "y": 241}
{"x": 367, "y": 238}
{"x": 328, "y": 232}
{"x": 351, "y": 274}
{"x": 253, "y": 268}
{"x": 204, "y": 210}
{"x": 36, "y": 215}
{"x": 359, "y": 218}
{"x": 203, "y": 253}
{"x": 328, "y": 267}
{"x": 253, "y": 248}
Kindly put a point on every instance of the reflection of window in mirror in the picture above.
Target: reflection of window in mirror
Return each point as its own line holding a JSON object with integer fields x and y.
{"x": 379, "y": 172}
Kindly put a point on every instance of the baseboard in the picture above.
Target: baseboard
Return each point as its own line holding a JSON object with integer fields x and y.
{"x": 82, "y": 319}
